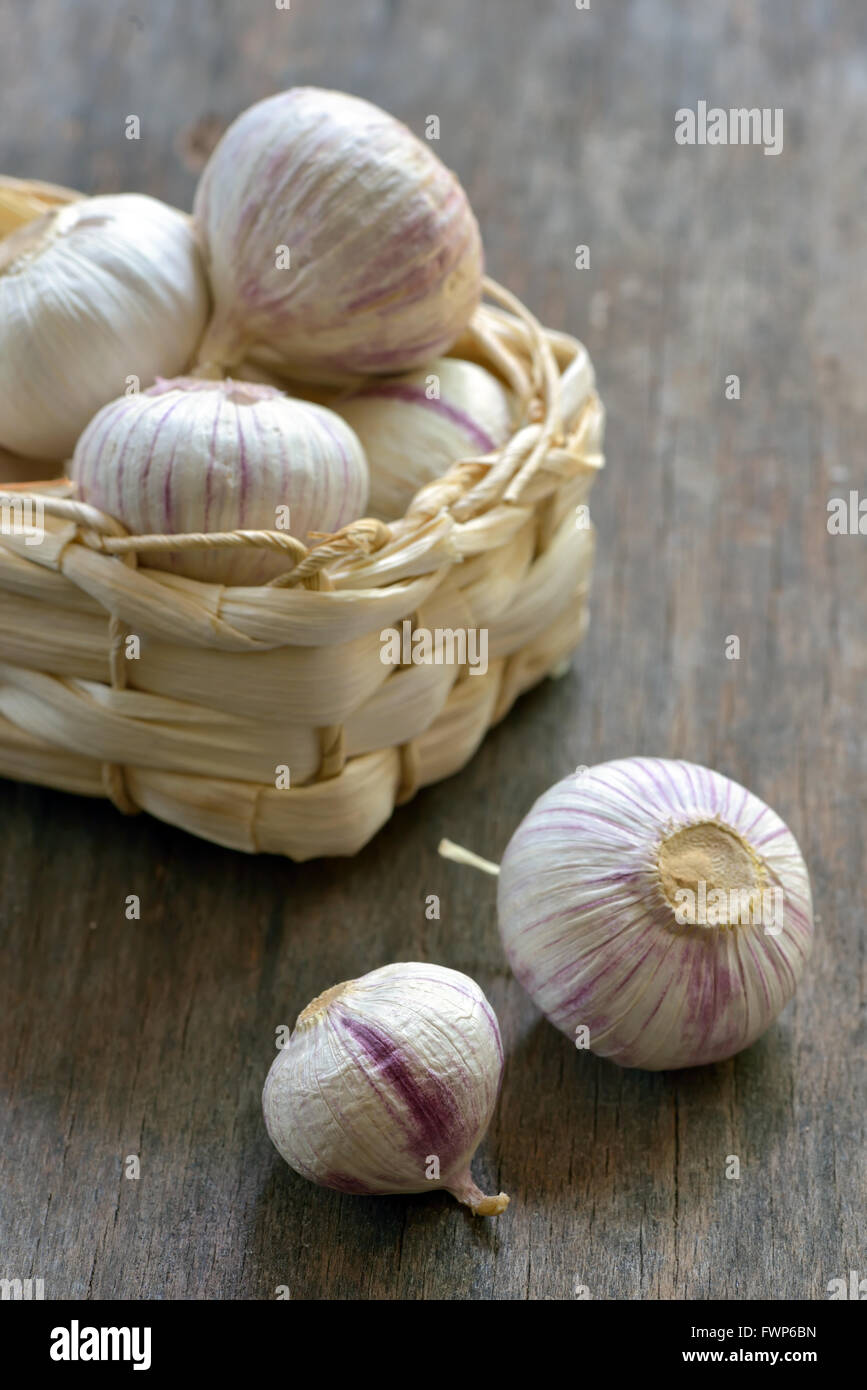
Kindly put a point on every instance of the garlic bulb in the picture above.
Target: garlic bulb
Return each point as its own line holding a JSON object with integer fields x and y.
{"x": 388, "y": 1084}
{"x": 334, "y": 239}
{"x": 191, "y": 455}
{"x": 414, "y": 427}
{"x": 622, "y": 902}
{"x": 94, "y": 293}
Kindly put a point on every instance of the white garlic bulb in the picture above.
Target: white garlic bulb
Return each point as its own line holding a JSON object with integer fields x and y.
{"x": 191, "y": 455}
{"x": 388, "y": 1084}
{"x": 622, "y": 897}
{"x": 92, "y": 294}
{"x": 414, "y": 427}
{"x": 335, "y": 239}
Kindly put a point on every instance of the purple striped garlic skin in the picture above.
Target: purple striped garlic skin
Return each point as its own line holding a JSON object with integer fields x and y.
{"x": 192, "y": 455}
{"x": 98, "y": 291}
{"x": 388, "y": 1084}
{"x": 590, "y": 889}
{"x": 411, "y": 436}
{"x": 385, "y": 257}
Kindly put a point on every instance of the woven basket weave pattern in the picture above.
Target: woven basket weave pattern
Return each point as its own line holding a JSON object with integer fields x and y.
{"x": 230, "y": 684}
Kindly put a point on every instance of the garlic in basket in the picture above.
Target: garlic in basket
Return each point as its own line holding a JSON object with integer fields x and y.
{"x": 388, "y": 1084}
{"x": 91, "y": 294}
{"x": 335, "y": 240}
{"x": 655, "y": 911}
{"x": 414, "y": 427}
{"x": 193, "y": 455}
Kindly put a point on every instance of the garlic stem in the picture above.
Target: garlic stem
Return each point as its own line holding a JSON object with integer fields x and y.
{"x": 466, "y": 1191}
{"x": 221, "y": 349}
{"x": 449, "y": 850}
{"x": 23, "y": 245}
{"x": 208, "y": 371}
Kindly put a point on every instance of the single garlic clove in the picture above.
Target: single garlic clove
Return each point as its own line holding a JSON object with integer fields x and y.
{"x": 192, "y": 455}
{"x": 622, "y": 897}
{"x": 414, "y": 427}
{"x": 334, "y": 238}
{"x": 388, "y": 1084}
{"x": 94, "y": 296}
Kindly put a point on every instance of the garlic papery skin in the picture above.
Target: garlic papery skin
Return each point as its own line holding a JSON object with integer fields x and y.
{"x": 197, "y": 456}
{"x": 414, "y": 427}
{"x": 335, "y": 239}
{"x": 590, "y": 890}
{"x": 388, "y": 1084}
{"x": 92, "y": 295}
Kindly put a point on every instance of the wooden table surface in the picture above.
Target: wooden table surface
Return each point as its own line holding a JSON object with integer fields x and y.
{"x": 152, "y": 1038}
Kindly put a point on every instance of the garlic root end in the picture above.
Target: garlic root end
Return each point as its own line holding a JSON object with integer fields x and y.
{"x": 466, "y": 1192}
{"x": 491, "y": 1206}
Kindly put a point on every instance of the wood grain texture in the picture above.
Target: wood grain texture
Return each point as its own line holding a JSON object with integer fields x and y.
{"x": 153, "y": 1037}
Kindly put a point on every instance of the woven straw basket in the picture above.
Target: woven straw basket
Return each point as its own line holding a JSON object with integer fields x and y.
{"x": 232, "y": 684}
